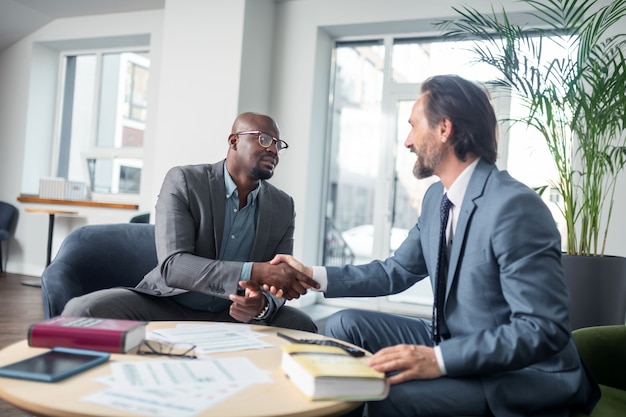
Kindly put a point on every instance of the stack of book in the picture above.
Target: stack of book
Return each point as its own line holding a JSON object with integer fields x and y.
{"x": 330, "y": 373}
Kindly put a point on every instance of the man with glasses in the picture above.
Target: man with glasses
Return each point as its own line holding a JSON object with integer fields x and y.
{"x": 217, "y": 226}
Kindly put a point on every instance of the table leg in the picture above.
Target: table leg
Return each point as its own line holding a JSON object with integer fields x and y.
{"x": 50, "y": 234}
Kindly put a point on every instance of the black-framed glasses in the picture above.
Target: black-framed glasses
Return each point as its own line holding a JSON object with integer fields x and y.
{"x": 266, "y": 140}
{"x": 178, "y": 350}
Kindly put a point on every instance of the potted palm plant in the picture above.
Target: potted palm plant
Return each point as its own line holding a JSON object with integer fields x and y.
{"x": 577, "y": 101}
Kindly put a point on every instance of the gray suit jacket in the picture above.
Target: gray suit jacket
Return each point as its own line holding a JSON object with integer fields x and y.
{"x": 190, "y": 214}
{"x": 506, "y": 304}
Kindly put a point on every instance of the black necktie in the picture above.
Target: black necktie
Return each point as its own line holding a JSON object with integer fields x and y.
{"x": 442, "y": 270}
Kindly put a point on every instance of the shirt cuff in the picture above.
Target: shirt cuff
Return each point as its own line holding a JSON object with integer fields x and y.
{"x": 246, "y": 271}
{"x": 440, "y": 362}
{"x": 319, "y": 275}
{"x": 269, "y": 309}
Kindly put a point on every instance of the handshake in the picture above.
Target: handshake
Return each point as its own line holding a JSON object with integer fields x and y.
{"x": 284, "y": 277}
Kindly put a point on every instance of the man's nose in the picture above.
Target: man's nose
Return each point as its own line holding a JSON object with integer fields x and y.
{"x": 408, "y": 143}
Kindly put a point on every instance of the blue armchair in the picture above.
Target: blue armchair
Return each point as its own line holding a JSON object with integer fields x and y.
{"x": 95, "y": 257}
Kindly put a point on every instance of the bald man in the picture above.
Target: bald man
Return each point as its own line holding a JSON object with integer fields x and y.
{"x": 217, "y": 226}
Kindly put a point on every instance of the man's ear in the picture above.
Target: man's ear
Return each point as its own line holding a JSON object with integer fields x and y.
{"x": 445, "y": 129}
{"x": 232, "y": 141}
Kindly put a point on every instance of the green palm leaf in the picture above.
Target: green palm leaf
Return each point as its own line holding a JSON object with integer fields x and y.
{"x": 577, "y": 103}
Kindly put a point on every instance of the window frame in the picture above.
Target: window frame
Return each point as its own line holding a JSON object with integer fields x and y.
{"x": 94, "y": 151}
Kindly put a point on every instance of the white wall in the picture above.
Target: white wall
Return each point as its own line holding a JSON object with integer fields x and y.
{"x": 212, "y": 59}
{"x": 199, "y": 83}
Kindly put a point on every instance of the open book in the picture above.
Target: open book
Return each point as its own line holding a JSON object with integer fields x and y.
{"x": 329, "y": 373}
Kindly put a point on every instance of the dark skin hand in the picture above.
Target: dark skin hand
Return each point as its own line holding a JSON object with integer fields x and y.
{"x": 291, "y": 282}
{"x": 245, "y": 307}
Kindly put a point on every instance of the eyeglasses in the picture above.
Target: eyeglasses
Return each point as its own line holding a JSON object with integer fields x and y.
{"x": 266, "y": 140}
{"x": 179, "y": 350}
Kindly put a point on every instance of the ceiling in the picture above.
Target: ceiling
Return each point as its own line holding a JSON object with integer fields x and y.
{"x": 18, "y": 18}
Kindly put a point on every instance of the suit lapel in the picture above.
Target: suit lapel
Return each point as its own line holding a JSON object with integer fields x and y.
{"x": 217, "y": 191}
{"x": 475, "y": 190}
{"x": 264, "y": 222}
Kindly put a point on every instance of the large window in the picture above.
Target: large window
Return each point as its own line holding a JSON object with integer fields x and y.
{"x": 373, "y": 199}
{"x": 102, "y": 121}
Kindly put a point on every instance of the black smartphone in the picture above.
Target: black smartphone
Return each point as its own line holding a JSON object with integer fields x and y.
{"x": 352, "y": 351}
{"x": 54, "y": 365}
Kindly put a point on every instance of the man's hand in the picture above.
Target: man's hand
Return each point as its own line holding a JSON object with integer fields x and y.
{"x": 294, "y": 263}
{"x": 409, "y": 361}
{"x": 246, "y": 307}
{"x": 286, "y": 281}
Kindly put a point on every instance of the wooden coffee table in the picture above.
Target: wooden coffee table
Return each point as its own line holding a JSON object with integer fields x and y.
{"x": 63, "y": 398}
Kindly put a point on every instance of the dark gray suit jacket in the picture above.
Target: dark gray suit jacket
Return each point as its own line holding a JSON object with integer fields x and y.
{"x": 506, "y": 305}
{"x": 190, "y": 214}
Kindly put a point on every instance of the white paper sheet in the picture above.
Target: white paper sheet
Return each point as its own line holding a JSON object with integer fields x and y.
{"x": 212, "y": 338}
{"x": 176, "y": 387}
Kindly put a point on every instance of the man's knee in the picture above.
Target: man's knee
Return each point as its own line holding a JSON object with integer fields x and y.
{"x": 109, "y": 303}
{"x": 79, "y": 306}
{"x": 341, "y": 323}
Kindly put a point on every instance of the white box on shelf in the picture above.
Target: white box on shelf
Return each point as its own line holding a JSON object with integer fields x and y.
{"x": 52, "y": 188}
{"x": 76, "y": 190}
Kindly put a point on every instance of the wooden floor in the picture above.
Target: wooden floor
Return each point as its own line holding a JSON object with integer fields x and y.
{"x": 20, "y": 306}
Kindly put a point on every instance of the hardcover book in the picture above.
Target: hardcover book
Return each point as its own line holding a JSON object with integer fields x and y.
{"x": 329, "y": 373}
{"x": 106, "y": 335}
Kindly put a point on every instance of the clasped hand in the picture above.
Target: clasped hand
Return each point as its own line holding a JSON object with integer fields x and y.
{"x": 282, "y": 279}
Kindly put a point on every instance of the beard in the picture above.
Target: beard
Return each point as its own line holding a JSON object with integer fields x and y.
{"x": 262, "y": 174}
{"x": 421, "y": 171}
{"x": 261, "y": 170}
{"x": 427, "y": 159}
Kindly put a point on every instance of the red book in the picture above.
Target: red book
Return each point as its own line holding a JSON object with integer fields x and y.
{"x": 106, "y": 335}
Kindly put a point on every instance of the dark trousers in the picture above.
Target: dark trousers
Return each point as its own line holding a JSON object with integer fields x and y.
{"x": 124, "y": 303}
